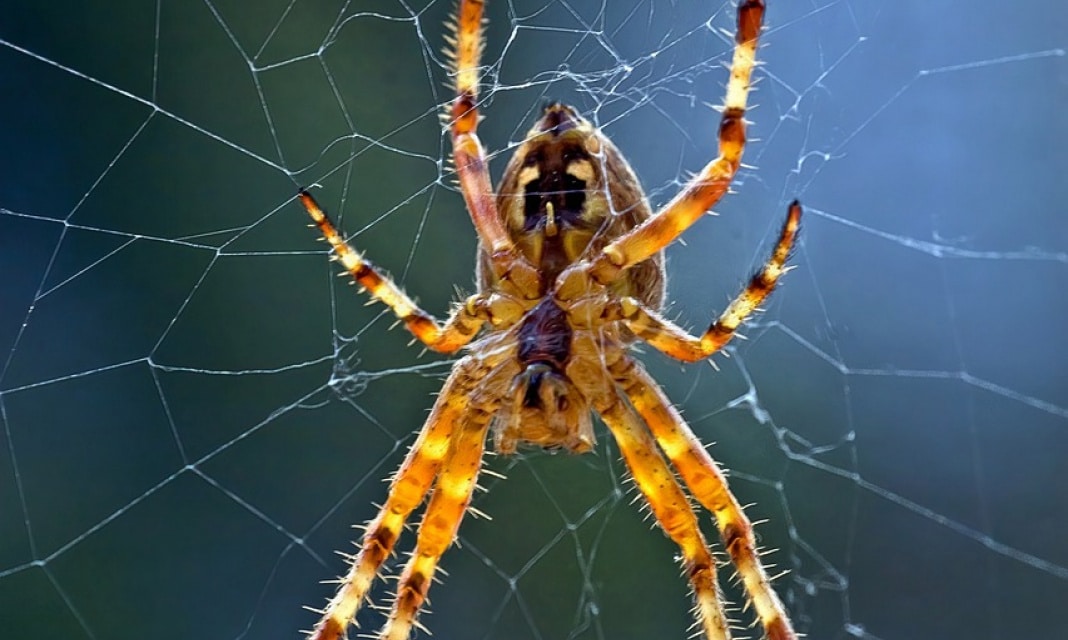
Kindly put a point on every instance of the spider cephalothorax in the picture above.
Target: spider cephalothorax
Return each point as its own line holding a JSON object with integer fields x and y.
{"x": 570, "y": 273}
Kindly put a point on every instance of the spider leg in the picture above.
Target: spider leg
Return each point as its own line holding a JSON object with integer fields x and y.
{"x": 406, "y": 492}
{"x": 708, "y": 484}
{"x": 446, "y": 509}
{"x": 674, "y": 341}
{"x": 469, "y": 156}
{"x": 707, "y": 187}
{"x": 670, "y": 507}
{"x": 457, "y": 331}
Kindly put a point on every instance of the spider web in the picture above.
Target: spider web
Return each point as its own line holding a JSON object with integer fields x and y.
{"x": 194, "y": 410}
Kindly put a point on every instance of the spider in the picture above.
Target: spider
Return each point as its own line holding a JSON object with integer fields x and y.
{"x": 570, "y": 274}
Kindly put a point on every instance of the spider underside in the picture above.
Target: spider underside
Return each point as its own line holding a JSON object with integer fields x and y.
{"x": 570, "y": 274}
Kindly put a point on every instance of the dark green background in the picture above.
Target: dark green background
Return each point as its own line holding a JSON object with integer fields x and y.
{"x": 193, "y": 410}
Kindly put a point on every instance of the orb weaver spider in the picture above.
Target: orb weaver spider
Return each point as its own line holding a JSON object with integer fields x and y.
{"x": 570, "y": 274}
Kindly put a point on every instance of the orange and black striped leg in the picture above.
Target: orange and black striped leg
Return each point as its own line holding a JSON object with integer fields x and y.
{"x": 672, "y": 340}
{"x": 708, "y": 484}
{"x": 458, "y": 330}
{"x": 670, "y": 507}
{"x": 446, "y": 509}
{"x": 406, "y": 492}
{"x": 469, "y": 156}
{"x": 707, "y": 187}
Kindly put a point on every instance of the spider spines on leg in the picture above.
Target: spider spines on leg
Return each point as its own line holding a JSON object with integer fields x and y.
{"x": 478, "y": 513}
{"x": 420, "y": 626}
{"x": 383, "y": 607}
{"x": 495, "y": 474}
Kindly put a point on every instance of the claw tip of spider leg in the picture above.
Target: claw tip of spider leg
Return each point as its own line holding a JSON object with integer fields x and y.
{"x": 795, "y": 210}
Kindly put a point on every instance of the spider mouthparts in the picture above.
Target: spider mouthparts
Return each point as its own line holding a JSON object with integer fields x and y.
{"x": 546, "y": 410}
{"x": 532, "y": 379}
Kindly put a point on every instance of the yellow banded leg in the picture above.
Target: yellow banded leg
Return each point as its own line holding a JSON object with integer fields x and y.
{"x": 671, "y": 509}
{"x": 457, "y": 331}
{"x": 469, "y": 156}
{"x": 446, "y": 509}
{"x": 672, "y": 340}
{"x": 707, "y": 187}
{"x": 708, "y": 484}
{"x": 410, "y": 484}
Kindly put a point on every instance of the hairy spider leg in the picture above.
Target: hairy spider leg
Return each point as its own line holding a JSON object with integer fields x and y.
{"x": 670, "y": 507}
{"x": 406, "y": 491}
{"x": 708, "y": 484}
{"x": 707, "y": 187}
{"x": 446, "y": 509}
{"x": 469, "y": 156}
{"x": 461, "y": 326}
{"x": 676, "y": 342}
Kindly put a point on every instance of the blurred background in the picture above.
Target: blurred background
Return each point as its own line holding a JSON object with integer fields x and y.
{"x": 194, "y": 410}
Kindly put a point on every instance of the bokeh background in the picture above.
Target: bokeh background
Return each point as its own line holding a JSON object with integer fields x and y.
{"x": 194, "y": 410}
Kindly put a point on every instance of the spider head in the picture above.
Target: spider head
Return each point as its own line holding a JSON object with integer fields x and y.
{"x": 545, "y": 410}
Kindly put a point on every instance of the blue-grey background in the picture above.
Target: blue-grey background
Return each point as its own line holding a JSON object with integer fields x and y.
{"x": 194, "y": 410}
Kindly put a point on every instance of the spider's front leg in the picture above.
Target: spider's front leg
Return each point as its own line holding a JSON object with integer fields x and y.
{"x": 652, "y": 476}
{"x": 708, "y": 484}
{"x": 456, "y": 332}
{"x": 446, "y": 509}
{"x": 707, "y": 187}
{"x": 670, "y": 507}
{"x": 407, "y": 490}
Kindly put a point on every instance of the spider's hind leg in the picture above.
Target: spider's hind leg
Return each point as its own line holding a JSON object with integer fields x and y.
{"x": 707, "y": 187}
{"x": 468, "y": 154}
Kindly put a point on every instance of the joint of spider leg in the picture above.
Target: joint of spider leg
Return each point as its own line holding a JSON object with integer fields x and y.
{"x": 607, "y": 266}
{"x": 750, "y": 20}
{"x": 464, "y": 112}
{"x": 732, "y": 126}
